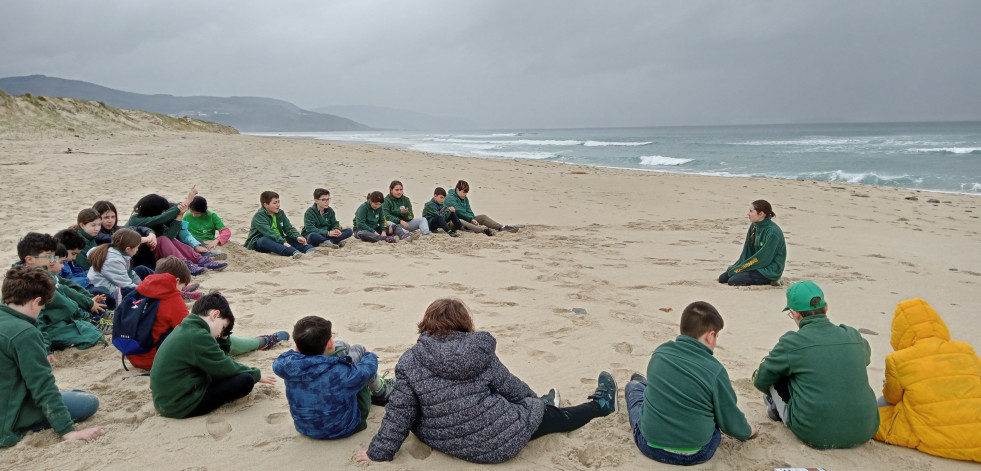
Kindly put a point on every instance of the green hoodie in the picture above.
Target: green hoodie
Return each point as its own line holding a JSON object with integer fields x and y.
{"x": 262, "y": 222}
{"x": 82, "y": 259}
{"x": 185, "y": 365}
{"x": 27, "y": 387}
{"x": 462, "y": 205}
{"x": 161, "y": 225}
{"x": 314, "y": 221}
{"x": 764, "y": 251}
{"x": 688, "y": 395}
{"x": 368, "y": 219}
{"x": 63, "y": 323}
{"x": 391, "y": 206}
{"x": 831, "y": 404}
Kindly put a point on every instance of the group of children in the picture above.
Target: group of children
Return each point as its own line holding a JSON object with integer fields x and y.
{"x": 814, "y": 379}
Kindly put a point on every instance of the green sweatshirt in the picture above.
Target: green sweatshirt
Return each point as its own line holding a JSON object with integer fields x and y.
{"x": 63, "y": 323}
{"x": 462, "y": 205}
{"x": 314, "y": 221}
{"x": 391, "y": 206}
{"x": 262, "y": 226}
{"x": 27, "y": 387}
{"x": 764, "y": 251}
{"x": 688, "y": 395}
{"x": 831, "y": 404}
{"x": 185, "y": 365}
{"x": 368, "y": 219}
{"x": 161, "y": 225}
{"x": 82, "y": 259}
{"x": 203, "y": 228}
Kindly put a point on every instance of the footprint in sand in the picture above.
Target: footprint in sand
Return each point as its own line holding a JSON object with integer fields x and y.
{"x": 376, "y": 274}
{"x": 342, "y": 290}
{"x": 266, "y": 283}
{"x": 623, "y": 347}
{"x": 376, "y": 306}
{"x": 276, "y": 418}
{"x": 359, "y": 326}
{"x": 543, "y": 355}
{"x": 218, "y": 427}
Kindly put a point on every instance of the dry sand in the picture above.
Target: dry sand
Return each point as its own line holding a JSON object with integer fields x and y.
{"x": 632, "y": 248}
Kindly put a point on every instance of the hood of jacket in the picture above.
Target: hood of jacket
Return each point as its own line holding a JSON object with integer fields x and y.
{"x": 916, "y": 320}
{"x": 463, "y": 355}
{"x": 294, "y": 366}
{"x": 159, "y": 286}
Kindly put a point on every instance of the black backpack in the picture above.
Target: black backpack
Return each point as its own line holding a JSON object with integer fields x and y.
{"x": 132, "y": 325}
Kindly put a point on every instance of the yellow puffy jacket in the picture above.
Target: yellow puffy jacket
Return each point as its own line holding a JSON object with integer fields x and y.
{"x": 935, "y": 384}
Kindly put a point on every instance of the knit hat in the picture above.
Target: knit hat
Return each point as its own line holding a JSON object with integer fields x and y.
{"x": 800, "y": 294}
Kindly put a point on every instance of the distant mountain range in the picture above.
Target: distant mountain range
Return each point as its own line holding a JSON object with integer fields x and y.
{"x": 396, "y": 119}
{"x": 249, "y": 114}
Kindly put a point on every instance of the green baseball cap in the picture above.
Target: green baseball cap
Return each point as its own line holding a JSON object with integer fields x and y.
{"x": 800, "y": 294}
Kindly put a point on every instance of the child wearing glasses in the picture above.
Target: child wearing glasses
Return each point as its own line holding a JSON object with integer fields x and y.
{"x": 320, "y": 224}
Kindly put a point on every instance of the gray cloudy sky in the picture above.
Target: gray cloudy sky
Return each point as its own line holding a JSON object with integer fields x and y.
{"x": 526, "y": 63}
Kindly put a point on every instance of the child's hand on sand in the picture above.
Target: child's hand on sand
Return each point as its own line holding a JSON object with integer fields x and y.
{"x": 267, "y": 379}
{"x": 52, "y": 359}
{"x": 85, "y": 434}
{"x": 755, "y": 431}
{"x": 362, "y": 456}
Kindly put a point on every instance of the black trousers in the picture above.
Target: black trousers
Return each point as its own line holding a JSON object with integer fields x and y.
{"x": 222, "y": 391}
{"x": 566, "y": 419}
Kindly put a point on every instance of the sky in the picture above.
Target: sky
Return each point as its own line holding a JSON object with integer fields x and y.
{"x": 526, "y": 64}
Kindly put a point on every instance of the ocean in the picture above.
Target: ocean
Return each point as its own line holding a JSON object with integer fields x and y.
{"x": 944, "y": 157}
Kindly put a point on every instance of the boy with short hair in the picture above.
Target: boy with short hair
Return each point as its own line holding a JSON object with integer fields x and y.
{"x": 439, "y": 215}
{"x": 814, "y": 379}
{"x": 321, "y": 225}
{"x": 192, "y": 373}
{"x": 74, "y": 244}
{"x": 271, "y": 231}
{"x": 457, "y": 199}
{"x": 64, "y": 321}
{"x": 202, "y": 224}
{"x": 330, "y": 385}
{"x": 29, "y": 397}
{"x": 679, "y": 411}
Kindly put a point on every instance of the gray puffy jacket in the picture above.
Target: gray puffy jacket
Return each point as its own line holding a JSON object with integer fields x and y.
{"x": 458, "y": 398}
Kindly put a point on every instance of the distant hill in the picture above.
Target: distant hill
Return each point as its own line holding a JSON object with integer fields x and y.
{"x": 243, "y": 113}
{"x": 402, "y": 120}
{"x": 28, "y": 115}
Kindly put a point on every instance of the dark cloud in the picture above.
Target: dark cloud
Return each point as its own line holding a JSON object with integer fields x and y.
{"x": 526, "y": 64}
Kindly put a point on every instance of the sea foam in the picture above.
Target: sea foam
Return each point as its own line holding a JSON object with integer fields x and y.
{"x": 661, "y": 160}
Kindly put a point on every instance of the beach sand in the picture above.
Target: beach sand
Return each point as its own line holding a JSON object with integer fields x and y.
{"x": 632, "y": 248}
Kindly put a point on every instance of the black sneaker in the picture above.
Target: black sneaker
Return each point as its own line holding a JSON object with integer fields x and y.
{"x": 638, "y": 377}
{"x": 488, "y": 232}
{"x": 771, "y": 408}
{"x": 552, "y": 398}
{"x": 606, "y": 394}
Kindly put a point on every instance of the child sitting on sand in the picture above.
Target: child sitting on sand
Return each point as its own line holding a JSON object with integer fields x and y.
{"x": 144, "y": 258}
{"x": 679, "y": 411}
{"x": 167, "y": 285}
{"x": 204, "y": 224}
{"x": 166, "y": 221}
{"x": 398, "y": 210}
{"x": 192, "y": 373}
{"x": 64, "y": 321}
{"x": 29, "y": 397}
{"x": 112, "y": 266}
{"x": 438, "y": 215}
{"x": 330, "y": 385}
{"x": 370, "y": 224}
{"x": 457, "y": 199}
{"x": 87, "y": 226}
{"x": 271, "y": 231}
{"x": 320, "y": 224}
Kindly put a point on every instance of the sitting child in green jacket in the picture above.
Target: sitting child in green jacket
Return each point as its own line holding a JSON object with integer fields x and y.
{"x": 272, "y": 232}
{"x": 457, "y": 200}
{"x": 320, "y": 224}
{"x": 29, "y": 397}
{"x": 370, "y": 224}
{"x": 192, "y": 373}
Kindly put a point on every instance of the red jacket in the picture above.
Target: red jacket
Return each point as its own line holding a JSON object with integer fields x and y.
{"x": 170, "y": 313}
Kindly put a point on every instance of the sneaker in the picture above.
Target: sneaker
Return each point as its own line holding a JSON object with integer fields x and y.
{"x": 194, "y": 268}
{"x": 453, "y": 233}
{"x": 105, "y": 326}
{"x": 508, "y": 229}
{"x": 316, "y": 250}
{"x": 297, "y": 255}
{"x": 390, "y": 240}
{"x": 210, "y": 264}
{"x": 342, "y": 243}
{"x": 216, "y": 255}
{"x": 272, "y": 339}
{"x": 192, "y": 287}
{"x": 381, "y": 396}
{"x": 606, "y": 394}
{"x": 488, "y": 232}
{"x": 190, "y": 295}
{"x": 330, "y": 245}
{"x": 552, "y": 398}
{"x": 638, "y": 377}
{"x": 771, "y": 408}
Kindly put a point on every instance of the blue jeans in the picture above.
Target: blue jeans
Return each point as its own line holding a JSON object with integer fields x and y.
{"x": 316, "y": 239}
{"x": 746, "y": 278}
{"x": 633, "y": 392}
{"x": 267, "y": 245}
{"x": 81, "y": 405}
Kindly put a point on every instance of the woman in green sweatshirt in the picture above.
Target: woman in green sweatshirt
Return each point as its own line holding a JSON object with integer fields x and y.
{"x": 764, "y": 252}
